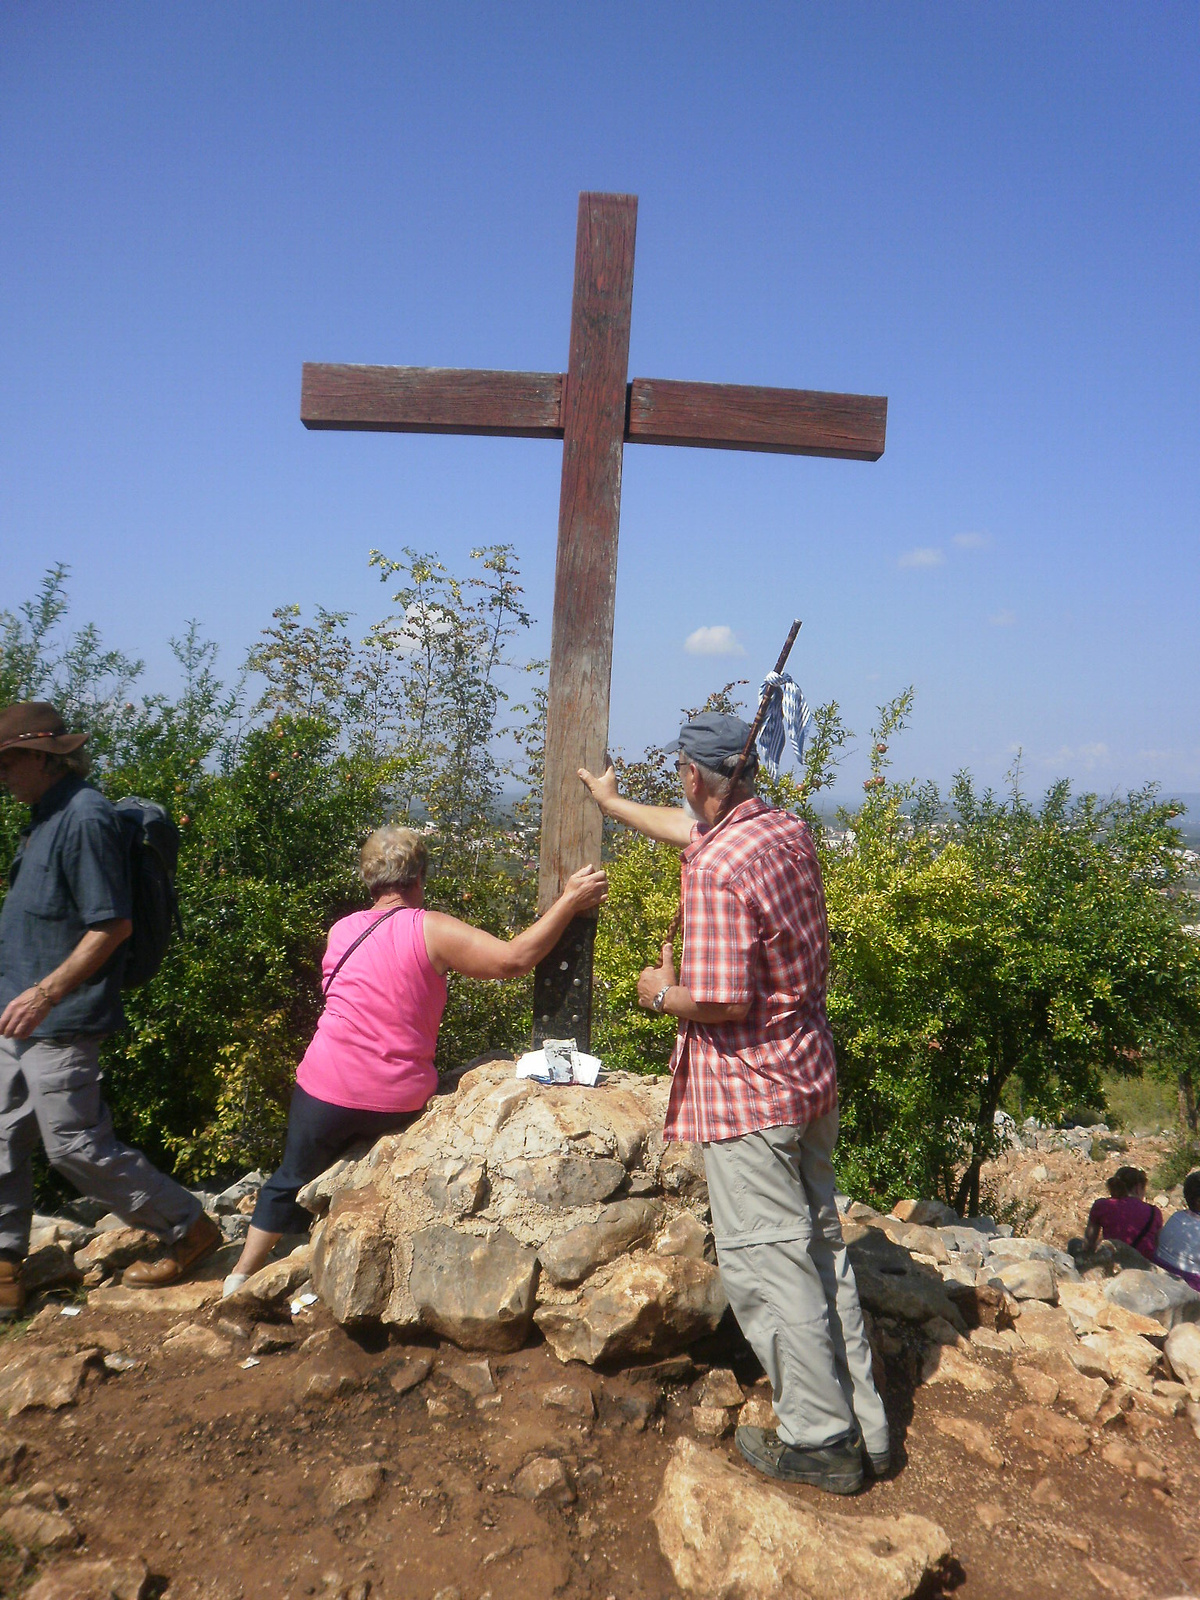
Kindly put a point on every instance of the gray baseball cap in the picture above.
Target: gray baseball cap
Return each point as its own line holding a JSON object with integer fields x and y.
{"x": 714, "y": 740}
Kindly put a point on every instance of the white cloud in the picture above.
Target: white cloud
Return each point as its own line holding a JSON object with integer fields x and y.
{"x": 923, "y": 556}
{"x": 1003, "y": 619}
{"x": 717, "y": 641}
{"x": 971, "y": 541}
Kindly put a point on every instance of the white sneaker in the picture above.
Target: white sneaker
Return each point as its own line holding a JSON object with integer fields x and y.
{"x": 233, "y": 1283}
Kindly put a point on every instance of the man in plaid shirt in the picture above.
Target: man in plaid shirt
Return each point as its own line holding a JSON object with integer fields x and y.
{"x": 755, "y": 1085}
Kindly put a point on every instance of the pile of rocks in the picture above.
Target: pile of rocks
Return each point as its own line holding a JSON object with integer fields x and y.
{"x": 87, "y": 1246}
{"x": 512, "y": 1202}
{"x": 1034, "y": 1135}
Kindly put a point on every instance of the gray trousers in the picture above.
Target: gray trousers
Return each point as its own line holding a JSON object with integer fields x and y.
{"x": 790, "y": 1283}
{"x": 51, "y": 1088}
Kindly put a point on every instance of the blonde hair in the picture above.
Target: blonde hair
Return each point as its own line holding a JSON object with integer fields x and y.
{"x": 392, "y": 858}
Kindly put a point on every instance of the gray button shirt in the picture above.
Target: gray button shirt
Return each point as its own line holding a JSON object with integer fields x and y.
{"x": 70, "y": 873}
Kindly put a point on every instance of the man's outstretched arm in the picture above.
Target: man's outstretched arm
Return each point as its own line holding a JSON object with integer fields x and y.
{"x": 668, "y": 824}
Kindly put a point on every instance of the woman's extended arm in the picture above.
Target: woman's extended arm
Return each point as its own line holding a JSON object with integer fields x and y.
{"x": 667, "y": 824}
{"x": 454, "y": 944}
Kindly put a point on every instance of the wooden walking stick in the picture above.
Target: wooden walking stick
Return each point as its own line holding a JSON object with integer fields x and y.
{"x": 764, "y": 704}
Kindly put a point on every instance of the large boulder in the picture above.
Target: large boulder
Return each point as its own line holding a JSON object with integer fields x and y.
{"x": 477, "y": 1291}
{"x": 352, "y": 1262}
{"x": 644, "y": 1304}
{"x": 727, "y": 1532}
{"x": 572, "y": 1256}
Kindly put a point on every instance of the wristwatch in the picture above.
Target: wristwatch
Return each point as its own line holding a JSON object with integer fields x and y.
{"x": 660, "y": 999}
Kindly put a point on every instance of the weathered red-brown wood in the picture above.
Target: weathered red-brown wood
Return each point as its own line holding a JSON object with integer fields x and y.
{"x": 523, "y": 405}
{"x": 585, "y": 577}
{"x": 731, "y": 416}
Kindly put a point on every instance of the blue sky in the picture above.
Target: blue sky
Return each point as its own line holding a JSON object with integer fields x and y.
{"x": 987, "y": 213}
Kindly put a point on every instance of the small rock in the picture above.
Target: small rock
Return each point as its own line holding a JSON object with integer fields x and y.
{"x": 636, "y": 1410}
{"x": 276, "y": 1281}
{"x": 459, "y": 1187}
{"x": 1135, "y": 1462}
{"x": 720, "y": 1388}
{"x": 758, "y": 1412}
{"x": 118, "y": 1248}
{"x": 990, "y": 1514}
{"x": 1048, "y": 1433}
{"x": 473, "y": 1376}
{"x": 43, "y": 1378}
{"x": 123, "y": 1579}
{"x": 1192, "y": 1412}
{"x": 51, "y": 1267}
{"x": 117, "y": 1361}
{"x": 1158, "y": 1295}
{"x": 38, "y": 1530}
{"x": 1026, "y": 1280}
{"x": 1182, "y": 1350}
{"x": 589, "y": 1476}
{"x": 1115, "y": 1582}
{"x": 318, "y": 1381}
{"x": 1046, "y": 1493}
{"x": 943, "y": 1364}
{"x": 574, "y": 1398}
{"x": 712, "y": 1422}
{"x": 189, "y": 1339}
{"x": 231, "y": 1329}
{"x": 684, "y": 1235}
{"x": 414, "y": 1369}
{"x": 352, "y": 1486}
{"x": 272, "y": 1338}
{"x": 974, "y": 1438}
{"x": 12, "y": 1457}
{"x": 1038, "y": 1386}
{"x": 436, "y": 1406}
{"x": 926, "y": 1213}
{"x": 562, "y": 1182}
{"x": 546, "y": 1480}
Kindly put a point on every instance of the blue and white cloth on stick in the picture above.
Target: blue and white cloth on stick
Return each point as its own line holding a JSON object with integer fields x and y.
{"x": 787, "y": 716}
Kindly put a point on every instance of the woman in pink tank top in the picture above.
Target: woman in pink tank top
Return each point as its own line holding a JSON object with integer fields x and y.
{"x": 369, "y": 1069}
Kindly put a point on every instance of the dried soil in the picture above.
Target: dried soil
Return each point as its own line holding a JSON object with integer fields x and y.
{"x": 219, "y": 1477}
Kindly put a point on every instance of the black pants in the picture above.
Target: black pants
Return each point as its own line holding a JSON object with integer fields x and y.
{"x": 317, "y": 1134}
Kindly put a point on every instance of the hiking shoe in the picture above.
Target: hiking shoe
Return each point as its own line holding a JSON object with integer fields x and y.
{"x": 837, "y": 1468}
{"x": 12, "y": 1291}
{"x": 201, "y": 1239}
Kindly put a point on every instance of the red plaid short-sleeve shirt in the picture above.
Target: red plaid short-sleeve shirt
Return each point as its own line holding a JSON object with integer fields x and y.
{"x": 754, "y": 929}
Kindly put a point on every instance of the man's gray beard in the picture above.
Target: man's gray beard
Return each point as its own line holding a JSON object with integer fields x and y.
{"x": 690, "y": 811}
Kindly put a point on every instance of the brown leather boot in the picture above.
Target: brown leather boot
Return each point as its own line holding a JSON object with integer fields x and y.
{"x": 12, "y": 1291}
{"x": 201, "y": 1239}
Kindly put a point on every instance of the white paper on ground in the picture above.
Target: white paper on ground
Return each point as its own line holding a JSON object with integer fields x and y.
{"x": 585, "y": 1069}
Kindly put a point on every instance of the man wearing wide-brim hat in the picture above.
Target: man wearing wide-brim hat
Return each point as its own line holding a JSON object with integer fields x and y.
{"x": 755, "y": 1086}
{"x": 63, "y": 926}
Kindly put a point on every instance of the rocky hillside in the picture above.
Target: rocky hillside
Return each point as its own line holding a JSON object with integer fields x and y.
{"x": 501, "y": 1366}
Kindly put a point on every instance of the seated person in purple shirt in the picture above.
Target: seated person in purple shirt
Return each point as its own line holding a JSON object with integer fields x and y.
{"x": 1126, "y": 1216}
{"x": 1179, "y": 1242}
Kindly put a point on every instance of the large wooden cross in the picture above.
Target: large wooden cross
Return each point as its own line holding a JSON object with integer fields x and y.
{"x": 594, "y": 409}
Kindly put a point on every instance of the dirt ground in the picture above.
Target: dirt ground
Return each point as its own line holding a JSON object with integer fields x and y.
{"x": 218, "y": 1476}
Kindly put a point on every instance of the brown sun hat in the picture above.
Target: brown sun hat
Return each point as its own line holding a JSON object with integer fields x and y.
{"x": 36, "y": 725}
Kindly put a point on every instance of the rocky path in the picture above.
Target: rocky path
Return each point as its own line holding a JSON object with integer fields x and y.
{"x": 168, "y": 1444}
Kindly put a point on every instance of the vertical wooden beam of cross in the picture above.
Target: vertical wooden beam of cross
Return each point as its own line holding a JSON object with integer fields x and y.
{"x": 595, "y": 410}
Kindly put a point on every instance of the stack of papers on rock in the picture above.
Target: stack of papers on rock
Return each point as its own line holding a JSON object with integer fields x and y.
{"x": 549, "y": 1068}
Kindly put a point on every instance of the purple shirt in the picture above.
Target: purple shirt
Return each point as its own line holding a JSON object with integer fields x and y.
{"x": 1134, "y": 1222}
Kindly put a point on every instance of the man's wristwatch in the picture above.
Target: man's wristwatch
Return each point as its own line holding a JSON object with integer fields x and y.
{"x": 659, "y": 1000}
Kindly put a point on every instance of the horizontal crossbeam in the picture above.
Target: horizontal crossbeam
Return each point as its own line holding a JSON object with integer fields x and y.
{"x": 528, "y": 405}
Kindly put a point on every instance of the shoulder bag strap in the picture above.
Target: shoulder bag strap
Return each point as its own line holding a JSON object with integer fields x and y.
{"x": 346, "y": 954}
{"x": 1146, "y": 1229}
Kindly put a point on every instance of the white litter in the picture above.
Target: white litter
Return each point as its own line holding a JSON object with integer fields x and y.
{"x": 585, "y": 1069}
{"x": 70, "y": 1311}
{"x": 301, "y": 1303}
{"x": 250, "y": 1361}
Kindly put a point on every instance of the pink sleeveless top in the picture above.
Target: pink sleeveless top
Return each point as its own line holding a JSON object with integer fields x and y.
{"x": 374, "y": 1044}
